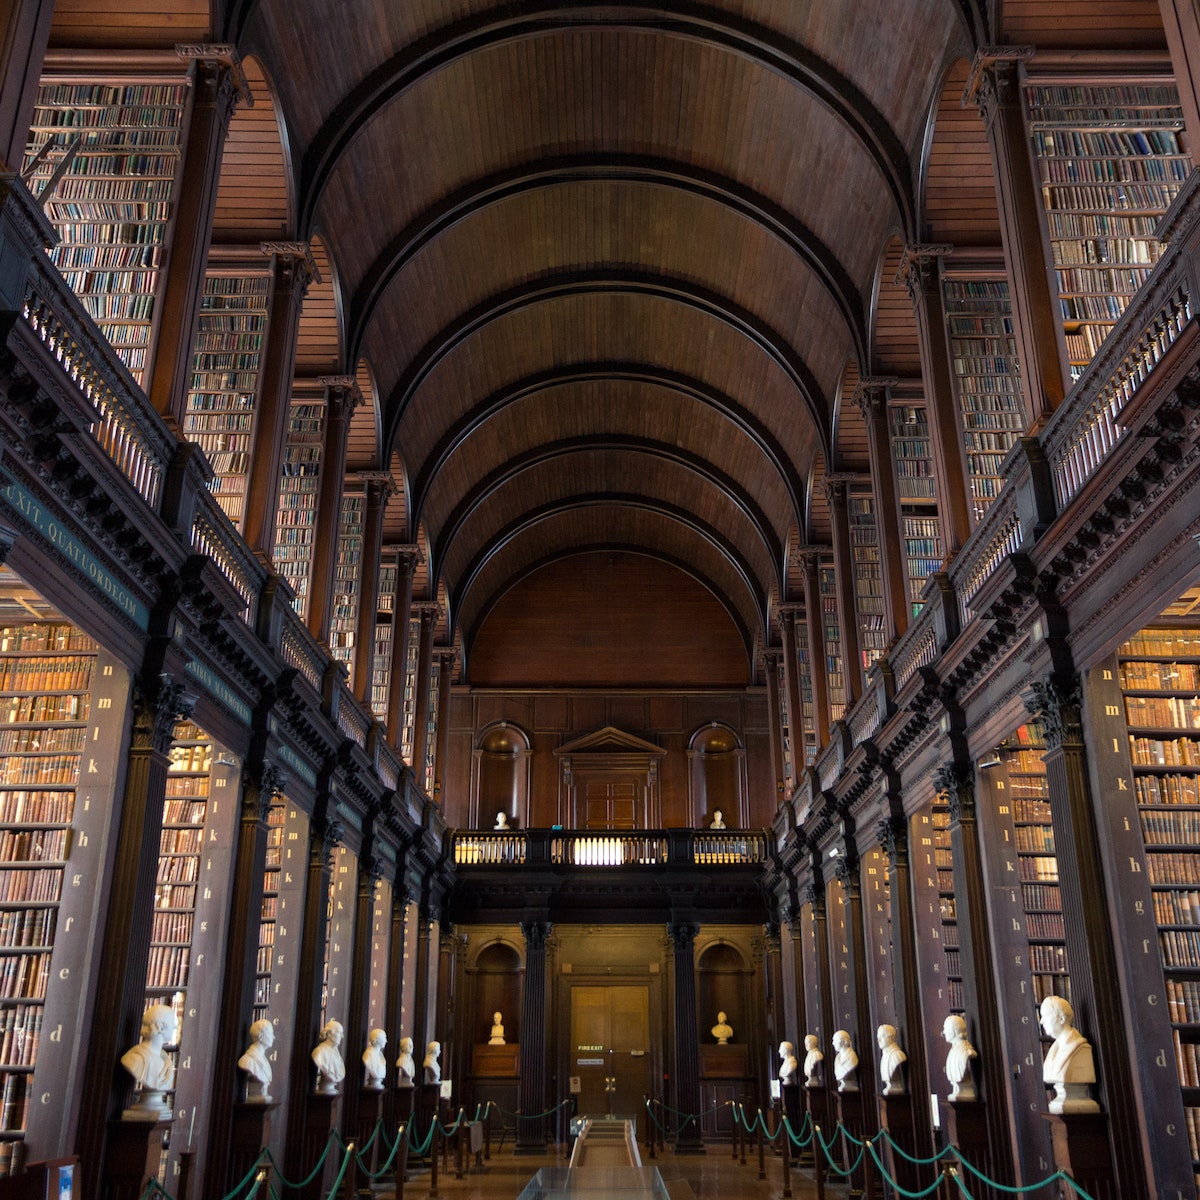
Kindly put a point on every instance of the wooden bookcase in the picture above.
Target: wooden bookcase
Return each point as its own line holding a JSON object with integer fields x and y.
{"x": 347, "y": 584}
{"x": 408, "y": 717}
{"x": 987, "y": 377}
{"x": 270, "y": 911}
{"x": 868, "y": 576}
{"x": 916, "y": 484}
{"x": 381, "y": 665}
{"x": 1159, "y": 675}
{"x": 114, "y": 205}
{"x": 223, "y": 392}
{"x": 836, "y": 680}
{"x": 1110, "y": 162}
{"x": 946, "y": 926}
{"x": 295, "y": 526}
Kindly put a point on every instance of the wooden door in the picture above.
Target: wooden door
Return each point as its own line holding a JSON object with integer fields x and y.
{"x": 610, "y": 1048}
{"x": 612, "y": 801}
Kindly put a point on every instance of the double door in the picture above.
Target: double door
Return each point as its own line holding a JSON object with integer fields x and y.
{"x": 610, "y": 1048}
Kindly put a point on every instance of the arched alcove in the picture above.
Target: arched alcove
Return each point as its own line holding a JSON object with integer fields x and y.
{"x": 717, "y": 776}
{"x": 500, "y": 777}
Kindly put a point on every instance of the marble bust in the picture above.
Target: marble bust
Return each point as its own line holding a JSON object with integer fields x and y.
{"x": 433, "y": 1068}
{"x": 958, "y": 1059}
{"x": 845, "y": 1062}
{"x": 813, "y": 1058}
{"x": 1069, "y": 1066}
{"x": 374, "y": 1064}
{"x": 718, "y": 821}
{"x": 497, "y": 1035}
{"x": 331, "y": 1070}
{"x": 722, "y": 1030}
{"x": 151, "y": 1069}
{"x": 256, "y": 1062}
{"x": 502, "y": 821}
{"x": 787, "y": 1064}
{"x": 406, "y": 1067}
{"x": 891, "y": 1057}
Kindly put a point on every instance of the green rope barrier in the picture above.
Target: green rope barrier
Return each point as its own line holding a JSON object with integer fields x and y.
{"x": 337, "y": 1183}
{"x": 883, "y": 1171}
{"x": 387, "y": 1164}
{"x": 295, "y": 1187}
{"x": 254, "y": 1170}
{"x": 1057, "y": 1177}
{"x": 532, "y": 1116}
{"x": 829, "y": 1158}
{"x": 921, "y": 1162}
{"x": 798, "y": 1139}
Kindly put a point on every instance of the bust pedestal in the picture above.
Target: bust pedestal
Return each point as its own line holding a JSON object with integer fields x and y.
{"x": 966, "y": 1127}
{"x": 251, "y": 1132}
{"x": 852, "y": 1113}
{"x": 370, "y": 1110}
{"x": 1081, "y": 1148}
{"x": 897, "y": 1119}
{"x": 131, "y": 1157}
{"x": 320, "y": 1120}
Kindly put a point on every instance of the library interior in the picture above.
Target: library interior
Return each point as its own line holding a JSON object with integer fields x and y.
{"x": 642, "y": 544}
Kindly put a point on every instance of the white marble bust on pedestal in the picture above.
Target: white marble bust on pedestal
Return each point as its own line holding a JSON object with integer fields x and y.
{"x": 497, "y": 1035}
{"x": 813, "y": 1058}
{"x": 406, "y": 1067}
{"x": 1069, "y": 1066}
{"x": 152, "y": 1070}
{"x": 787, "y": 1064}
{"x": 958, "y": 1059}
{"x": 845, "y": 1062}
{"x": 433, "y": 1068}
{"x": 331, "y": 1070}
{"x": 374, "y": 1064}
{"x": 722, "y": 1030}
{"x": 891, "y": 1058}
{"x": 256, "y": 1062}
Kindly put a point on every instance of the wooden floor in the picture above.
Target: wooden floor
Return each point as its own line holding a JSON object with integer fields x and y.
{"x": 709, "y": 1176}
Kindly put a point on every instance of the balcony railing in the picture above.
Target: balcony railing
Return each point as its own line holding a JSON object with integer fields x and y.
{"x": 582, "y": 848}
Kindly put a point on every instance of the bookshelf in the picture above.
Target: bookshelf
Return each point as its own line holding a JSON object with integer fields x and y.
{"x": 347, "y": 584}
{"x": 223, "y": 390}
{"x": 920, "y": 530}
{"x": 827, "y": 589}
{"x": 269, "y": 914}
{"x": 295, "y": 525}
{"x": 807, "y": 725}
{"x": 868, "y": 575}
{"x": 1110, "y": 163}
{"x": 408, "y": 719}
{"x": 1037, "y": 862}
{"x": 113, "y": 206}
{"x": 943, "y": 862}
{"x": 46, "y": 675}
{"x": 987, "y": 379}
{"x": 431, "y": 723}
{"x": 1159, "y": 671}
{"x": 381, "y": 664}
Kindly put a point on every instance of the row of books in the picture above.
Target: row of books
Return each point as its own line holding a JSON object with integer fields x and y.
{"x": 1118, "y": 226}
{"x": 1170, "y": 827}
{"x": 1167, "y": 789}
{"x": 1129, "y": 144}
{"x": 181, "y": 786}
{"x": 1187, "y": 1061}
{"x": 174, "y": 895}
{"x": 1048, "y": 958}
{"x": 1115, "y": 170}
{"x": 1040, "y": 897}
{"x": 182, "y": 868}
{"x": 1101, "y": 280}
{"x": 20, "y": 1032}
{"x": 58, "y": 673}
{"x": 172, "y": 926}
{"x": 1177, "y": 906}
{"x": 41, "y": 769}
{"x": 24, "y": 927}
{"x": 190, "y": 758}
{"x": 1122, "y": 250}
{"x": 181, "y": 841}
{"x": 14, "y": 1113}
{"x": 1034, "y": 839}
{"x": 1177, "y": 712}
{"x": 43, "y": 635}
{"x": 33, "y": 741}
{"x": 1145, "y": 105}
{"x": 182, "y": 811}
{"x": 36, "y": 884}
{"x": 1044, "y": 925}
{"x": 33, "y": 845}
{"x": 1163, "y": 643}
{"x": 1180, "y": 947}
{"x": 1175, "y": 867}
{"x": 1050, "y": 984}
{"x": 1183, "y": 1000}
{"x": 168, "y": 966}
{"x": 24, "y": 976}
{"x": 1160, "y": 676}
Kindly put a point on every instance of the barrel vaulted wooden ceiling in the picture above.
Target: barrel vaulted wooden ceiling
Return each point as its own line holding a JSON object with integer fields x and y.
{"x": 610, "y": 267}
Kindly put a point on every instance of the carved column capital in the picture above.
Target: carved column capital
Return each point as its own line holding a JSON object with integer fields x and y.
{"x": 295, "y": 266}
{"x": 156, "y": 714}
{"x": 327, "y": 835}
{"x": 537, "y": 935}
{"x": 992, "y": 79}
{"x": 893, "y": 840}
{"x": 918, "y": 269}
{"x": 957, "y": 785}
{"x": 1058, "y": 709}
{"x": 871, "y": 394}
{"x": 682, "y": 934}
{"x": 342, "y": 395}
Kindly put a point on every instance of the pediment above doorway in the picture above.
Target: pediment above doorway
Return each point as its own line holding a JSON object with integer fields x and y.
{"x": 609, "y": 740}
{"x": 609, "y": 779}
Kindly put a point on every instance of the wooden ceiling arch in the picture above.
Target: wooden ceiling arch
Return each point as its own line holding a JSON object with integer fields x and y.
{"x": 749, "y": 39}
{"x": 617, "y": 168}
{"x": 679, "y": 291}
{"x": 736, "y": 499}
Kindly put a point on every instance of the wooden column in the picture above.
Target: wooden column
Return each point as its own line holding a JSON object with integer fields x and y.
{"x": 836, "y": 489}
{"x": 324, "y": 834}
{"x": 687, "y": 1045}
{"x": 871, "y": 397}
{"x": 218, "y": 85}
{"x": 822, "y": 1022}
{"x": 1092, "y": 957}
{"x": 920, "y": 271}
{"x": 370, "y": 869}
{"x": 394, "y": 1000}
{"x": 994, "y": 87}
{"x": 776, "y": 1024}
{"x": 379, "y": 489}
{"x": 292, "y": 270}
{"x": 342, "y": 397}
{"x": 788, "y": 616}
{"x": 422, "y": 1026}
{"x": 447, "y": 1006}
{"x": 240, "y": 970}
{"x": 1181, "y": 24}
{"x": 893, "y": 833}
{"x": 531, "y": 1132}
{"x": 956, "y": 782}
{"x": 446, "y": 657}
{"x": 429, "y": 613}
{"x": 125, "y": 942}
{"x": 771, "y": 659}
{"x": 24, "y": 33}
{"x": 407, "y": 559}
{"x": 817, "y": 665}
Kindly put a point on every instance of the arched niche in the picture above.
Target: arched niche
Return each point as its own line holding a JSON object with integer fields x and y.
{"x": 500, "y": 776}
{"x": 717, "y": 776}
{"x": 722, "y": 986}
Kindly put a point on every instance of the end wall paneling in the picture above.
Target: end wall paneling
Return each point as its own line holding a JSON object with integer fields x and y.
{"x": 60, "y": 700}
{"x": 1143, "y": 714}
{"x": 285, "y": 962}
{"x": 1015, "y": 996}
{"x": 200, "y": 818}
